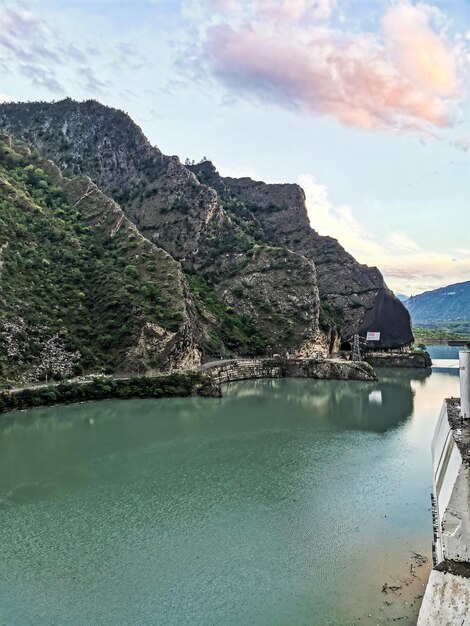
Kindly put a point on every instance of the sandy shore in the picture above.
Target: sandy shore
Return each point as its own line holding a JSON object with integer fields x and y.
{"x": 401, "y": 595}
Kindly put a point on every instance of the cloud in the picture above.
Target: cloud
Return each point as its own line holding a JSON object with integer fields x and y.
{"x": 26, "y": 37}
{"x": 42, "y": 76}
{"x": 30, "y": 47}
{"x": 402, "y": 243}
{"x": 299, "y": 11}
{"x": 278, "y": 10}
{"x": 462, "y": 143}
{"x": 226, "y": 5}
{"x": 406, "y": 266}
{"x": 422, "y": 55}
{"x": 90, "y": 82}
{"x": 404, "y": 78}
{"x": 5, "y": 98}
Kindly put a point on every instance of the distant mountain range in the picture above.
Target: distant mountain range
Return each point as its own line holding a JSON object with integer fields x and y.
{"x": 441, "y": 306}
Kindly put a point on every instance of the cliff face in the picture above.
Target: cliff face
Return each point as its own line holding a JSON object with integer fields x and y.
{"x": 272, "y": 290}
{"x": 355, "y": 294}
{"x": 81, "y": 289}
{"x": 249, "y": 243}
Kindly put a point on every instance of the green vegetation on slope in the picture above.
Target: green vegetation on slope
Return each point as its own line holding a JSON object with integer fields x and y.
{"x": 73, "y": 297}
{"x": 169, "y": 207}
{"x": 236, "y": 332}
{"x": 447, "y": 307}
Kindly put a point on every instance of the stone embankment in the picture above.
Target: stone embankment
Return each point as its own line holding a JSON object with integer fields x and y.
{"x": 418, "y": 360}
{"x": 245, "y": 369}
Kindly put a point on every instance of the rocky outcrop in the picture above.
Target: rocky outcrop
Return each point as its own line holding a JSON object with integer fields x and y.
{"x": 416, "y": 360}
{"x": 81, "y": 289}
{"x": 356, "y": 294}
{"x": 274, "y": 287}
{"x": 167, "y": 350}
{"x": 251, "y": 242}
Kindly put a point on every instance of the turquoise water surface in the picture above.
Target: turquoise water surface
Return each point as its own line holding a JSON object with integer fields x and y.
{"x": 285, "y": 502}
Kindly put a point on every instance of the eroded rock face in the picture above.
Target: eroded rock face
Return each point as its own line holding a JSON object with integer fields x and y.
{"x": 275, "y": 287}
{"x": 81, "y": 287}
{"x": 166, "y": 350}
{"x": 357, "y": 294}
{"x": 302, "y": 368}
{"x": 216, "y": 227}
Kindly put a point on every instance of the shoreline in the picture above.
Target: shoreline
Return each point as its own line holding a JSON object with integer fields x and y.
{"x": 429, "y": 341}
{"x": 205, "y": 382}
{"x": 402, "y": 593}
{"x": 170, "y": 386}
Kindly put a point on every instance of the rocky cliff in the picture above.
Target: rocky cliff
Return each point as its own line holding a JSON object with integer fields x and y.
{"x": 255, "y": 268}
{"x": 355, "y": 295}
{"x": 80, "y": 288}
{"x": 273, "y": 289}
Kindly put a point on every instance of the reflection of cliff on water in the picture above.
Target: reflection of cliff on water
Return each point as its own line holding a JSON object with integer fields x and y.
{"x": 376, "y": 407}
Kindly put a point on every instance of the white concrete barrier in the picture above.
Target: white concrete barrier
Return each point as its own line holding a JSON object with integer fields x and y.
{"x": 464, "y": 363}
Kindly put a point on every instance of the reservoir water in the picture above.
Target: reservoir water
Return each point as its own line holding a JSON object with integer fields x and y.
{"x": 443, "y": 351}
{"x": 285, "y": 502}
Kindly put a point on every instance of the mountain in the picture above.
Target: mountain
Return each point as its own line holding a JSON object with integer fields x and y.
{"x": 402, "y": 297}
{"x": 447, "y": 304}
{"x": 80, "y": 287}
{"x": 354, "y": 296}
{"x": 252, "y": 272}
{"x": 272, "y": 289}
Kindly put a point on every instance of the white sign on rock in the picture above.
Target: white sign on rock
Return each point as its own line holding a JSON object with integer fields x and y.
{"x": 372, "y": 336}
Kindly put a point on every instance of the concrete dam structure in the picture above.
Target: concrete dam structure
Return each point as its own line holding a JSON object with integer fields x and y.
{"x": 447, "y": 597}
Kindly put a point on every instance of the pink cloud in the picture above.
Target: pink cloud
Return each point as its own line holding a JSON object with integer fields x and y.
{"x": 421, "y": 54}
{"x": 404, "y": 81}
{"x": 279, "y": 10}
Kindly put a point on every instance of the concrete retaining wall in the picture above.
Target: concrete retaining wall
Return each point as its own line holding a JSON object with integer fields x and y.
{"x": 452, "y": 493}
{"x": 291, "y": 368}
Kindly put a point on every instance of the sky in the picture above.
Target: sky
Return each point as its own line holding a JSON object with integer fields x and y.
{"x": 364, "y": 103}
